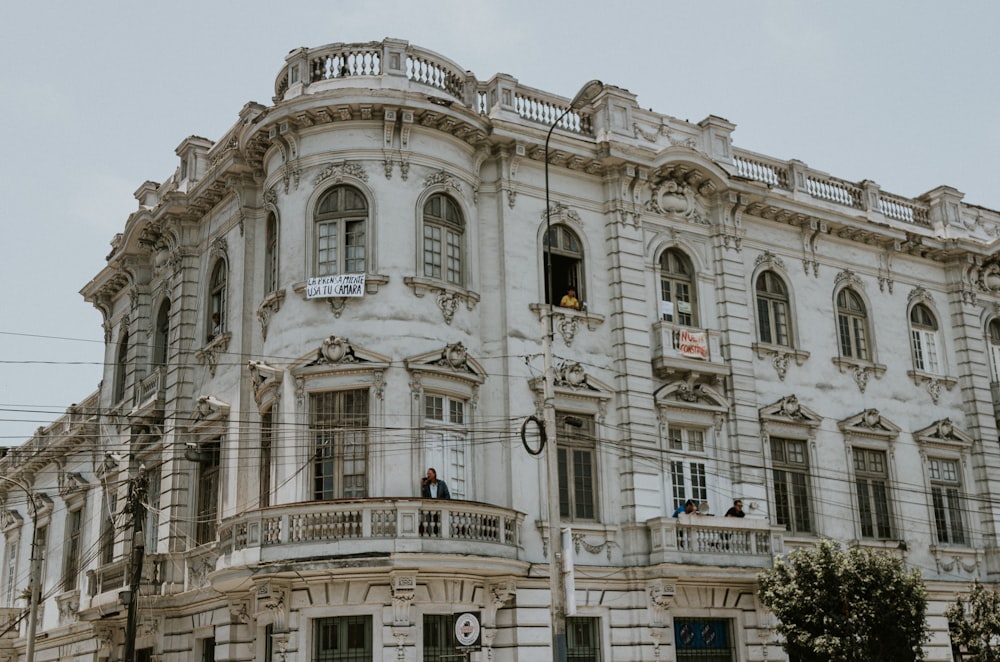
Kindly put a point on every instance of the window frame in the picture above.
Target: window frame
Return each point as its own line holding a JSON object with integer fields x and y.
{"x": 218, "y": 302}
{"x": 949, "y": 518}
{"x": 120, "y": 379}
{"x": 209, "y": 486}
{"x": 799, "y": 519}
{"x": 925, "y": 340}
{"x": 772, "y": 305}
{"x": 577, "y": 651}
{"x": 344, "y": 222}
{"x": 271, "y": 253}
{"x": 450, "y": 242}
{"x": 330, "y": 443}
{"x": 873, "y": 494}
{"x": 161, "y": 335}
{"x": 447, "y": 442}
{"x": 366, "y": 653}
{"x": 568, "y": 264}
{"x": 73, "y": 547}
{"x": 579, "y": 495}
{"x": 855, "y": 323}
{"x": 678, "y": 283}
{"x": 993, "y": 347}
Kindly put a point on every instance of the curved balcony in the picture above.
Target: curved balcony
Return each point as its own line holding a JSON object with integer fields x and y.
{"x": 330, "y": 529}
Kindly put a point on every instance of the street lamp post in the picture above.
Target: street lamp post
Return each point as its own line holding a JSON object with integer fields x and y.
{"x": 35, "y": 572}
{"x": 557, "y": 585}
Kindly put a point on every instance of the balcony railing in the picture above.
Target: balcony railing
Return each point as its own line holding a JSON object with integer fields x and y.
{"x": 717, "y": 541}
{"x": 685, "y": 349}
{"x": 372, "y": 525}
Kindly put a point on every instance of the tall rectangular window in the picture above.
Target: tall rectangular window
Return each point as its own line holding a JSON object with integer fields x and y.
{"x": 577, "y": 467}
{"x": 338, "y": 424}
{"x": 583, "y": 639}
{"x": 108, "y": 511}
{"x": 947, "y": 500}
{"x": 446, "y": 442}
{"x": 689, "y": 480}
{"x": 342, "y": 639}
{"x": 42, "y": 549}
{"x": 10, "y": 571}
{"x": 208, "y": 650}
{"x": 72, "y": 548}
{"x": 439, "y": 638}
{"x": 207, "y": 514}
{"x": 790, "y": 471}
{"x": 152, "y": 524}
{"x": 264, "y": 474}
{"x": 871, "y": 474}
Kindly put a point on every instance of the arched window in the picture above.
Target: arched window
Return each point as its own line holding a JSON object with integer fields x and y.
{"x": 772, "y": 309}
{"x": 994, "y": 339}
{"x": 678, "y": 296}
{"x": 340, "y": 226}
{"x": 564, "y": 261}
{"x": 923, "y": 332}
{"x": 121, "y": 365}
{"x": 161, "y": 336}
{"x": 852, "y": 325}
{"x": 217, "y": 298}
{"x": 271, "y": 254}
{"x": 443, "y": 236}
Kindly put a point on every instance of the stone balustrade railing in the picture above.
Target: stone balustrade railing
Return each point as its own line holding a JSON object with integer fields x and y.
{"x": 280, "y": 530}
{"x": 794, "y": 176}
{"x": 150, "y": 386}
{"x": 707, "y": 540}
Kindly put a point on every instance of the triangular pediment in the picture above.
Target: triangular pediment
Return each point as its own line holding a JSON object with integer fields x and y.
{"x": 943, "y": 433}
{"x": 337, "y": 352}
{"x": 870, "y": 423}
{"x": 687, "y": 394}
{"x": 790, "y": 411}
{"x": 449, "y": 361}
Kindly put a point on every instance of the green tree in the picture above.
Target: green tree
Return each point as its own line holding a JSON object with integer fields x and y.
{"x": 853, "y": 606}
{"x": 974, "y": 622}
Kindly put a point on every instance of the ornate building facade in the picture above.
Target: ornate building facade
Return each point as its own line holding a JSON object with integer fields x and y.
{"x": 345, "y": 289}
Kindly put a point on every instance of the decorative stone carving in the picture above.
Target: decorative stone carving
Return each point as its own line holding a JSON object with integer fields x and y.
{"x": 448, "y": 303}
{"x": 272, "y": 598}
{"x": 69, "y": 606}
{"x": 269, "y": 307}
{"x": 674, "y": 197}
{"x": 404, "y": 586}
{"x": 337, "y": 172}
{"x": 661, "y": 594}
{"x": 209, "y": 354}
{"x": 337, "y": 350}
{"x": 442, "y": 178}
{"x": 568, "y": 326}
{"x": 579, "y": 541}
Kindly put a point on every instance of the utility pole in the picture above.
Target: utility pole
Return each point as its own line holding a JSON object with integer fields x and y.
{"x": 136, "y": 506}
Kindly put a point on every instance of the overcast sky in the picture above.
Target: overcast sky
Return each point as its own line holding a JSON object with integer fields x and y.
{"x": 98, "y": 95}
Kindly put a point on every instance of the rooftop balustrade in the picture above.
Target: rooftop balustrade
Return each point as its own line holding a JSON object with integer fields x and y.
{"x": 327, "y": 529}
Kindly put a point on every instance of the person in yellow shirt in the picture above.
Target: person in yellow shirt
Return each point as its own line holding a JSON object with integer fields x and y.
{"x": 569, "y": 300}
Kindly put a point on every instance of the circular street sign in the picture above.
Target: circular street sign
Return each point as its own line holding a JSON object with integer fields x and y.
{"x": 467, "y": 629}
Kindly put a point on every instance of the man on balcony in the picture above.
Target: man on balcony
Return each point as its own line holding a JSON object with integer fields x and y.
{"x": 432, "y": 488}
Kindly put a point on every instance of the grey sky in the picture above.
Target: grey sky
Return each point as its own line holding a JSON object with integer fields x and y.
{"x": 99, "y": 94}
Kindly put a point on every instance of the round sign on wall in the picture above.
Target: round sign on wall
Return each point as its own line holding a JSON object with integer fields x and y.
{"x": 467, "y": 629}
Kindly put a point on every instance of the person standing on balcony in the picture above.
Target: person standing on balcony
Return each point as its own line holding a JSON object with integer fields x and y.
{"x": 432, "y": 488}
{"x": 736, "y": 510}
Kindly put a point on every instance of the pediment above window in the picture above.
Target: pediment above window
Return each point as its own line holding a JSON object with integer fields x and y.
{"x": 266, "y": 380}
{"x": 451, "y": 361}
{"x": 336, "y": 353}
{"x": 72, "y": 486}
{"x": 943, "y": 434}
{"x": 575, "y": 390}
{"x": 209, "y": 414}
{"x": 10, "y": 520}
{"x": 870, "y": 423}
{"x": 789, "y": 411}
{"x": 690, "y": 394}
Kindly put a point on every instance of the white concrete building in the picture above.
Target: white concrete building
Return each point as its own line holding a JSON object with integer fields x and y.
{"x": 751, "y": 328}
